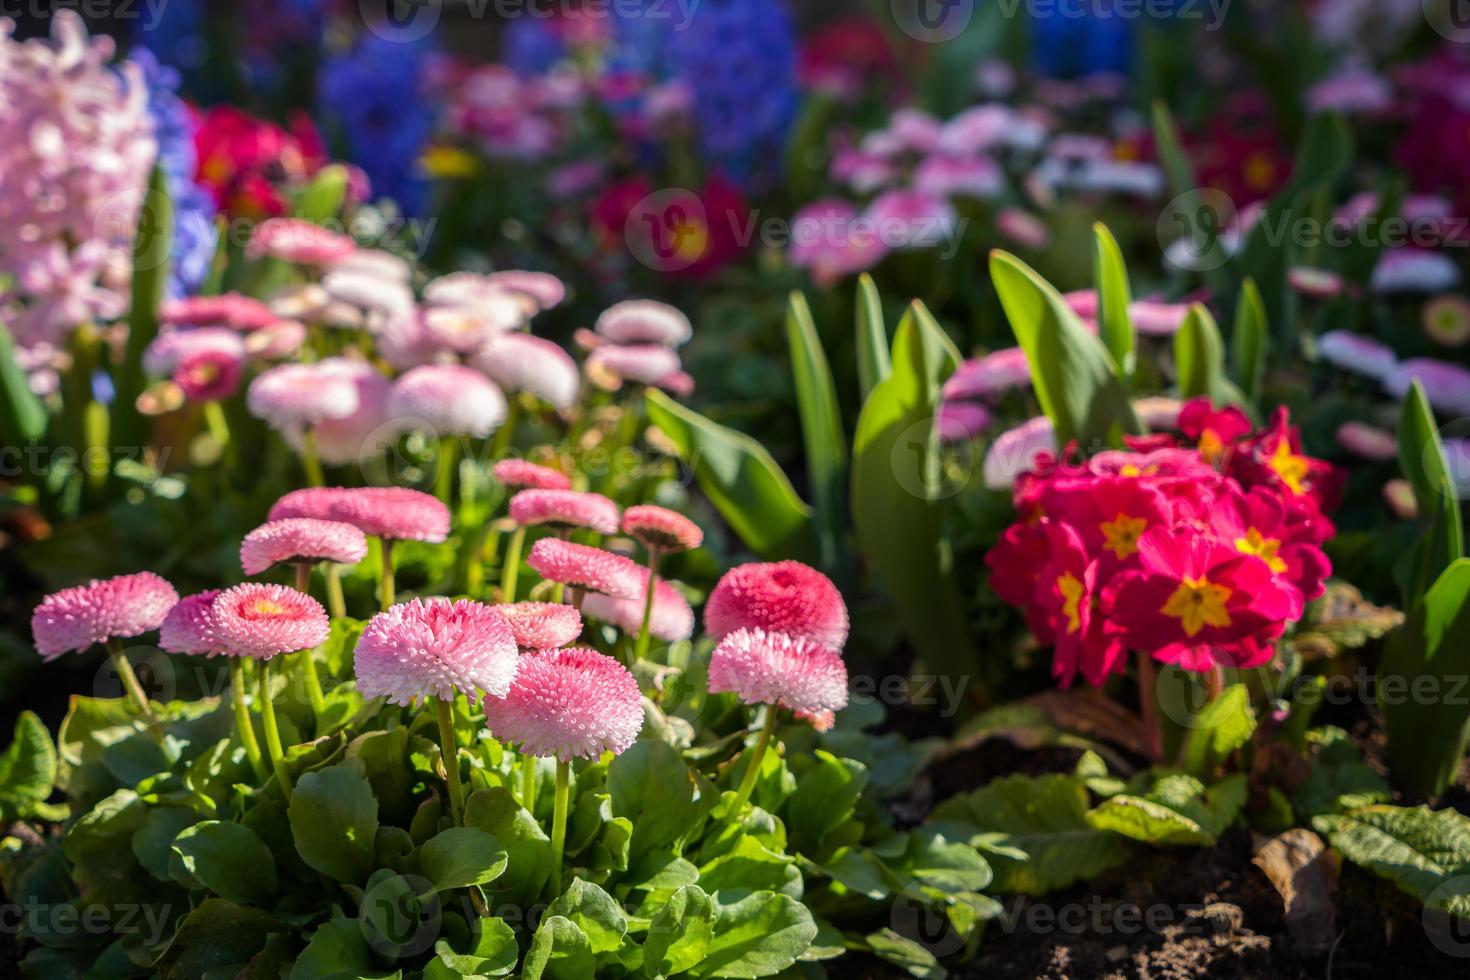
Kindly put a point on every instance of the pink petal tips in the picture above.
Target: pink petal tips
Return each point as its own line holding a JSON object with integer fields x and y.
{"x": 568, "y": 703}
{"x": 785, "y": 597}
{"x": 261, "y": 621}
{"x": 661, "y": 529}
{"x": 74, "y": 619}
{"x": 433, "y": 648}
{"x": 301, "y": 539}
{"x": 777, "y": 668}
{"x": 542, "y": 625}
{"x": 585, "y": 567}
{"x": 565, "y": 508}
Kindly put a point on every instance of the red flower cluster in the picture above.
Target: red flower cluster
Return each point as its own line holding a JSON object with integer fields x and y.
{"x": 1196, "y": 554}
{"x": 251, "y": 166}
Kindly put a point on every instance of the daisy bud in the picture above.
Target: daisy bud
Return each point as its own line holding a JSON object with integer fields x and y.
{"x": 523, "y": 474}
{"x": 660, "y": 529}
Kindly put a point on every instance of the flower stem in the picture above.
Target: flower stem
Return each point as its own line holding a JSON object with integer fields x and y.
{"x": 559, "y": 822}
{"x": 310, "y": 461}
{"x": 753, "y": 769}
{"x": 244, "y": 727}
{"x": 219, "y": 429}
{"x": 1215, "y": 682}
{"x": 1147, "y": 689}
{"x": 385, "y": 582}
{"x": 336, "y": 601}
{"x": 645, "y": 638}
{"x": 511, "y": 570}
{"x": 129, "y": 679}
{"x": 450, "y": 749}
{"x": 272, "y": 730}
{"x": 306, "y": 660}
{"x": 528, "y": 784}
{"x": 448, "y": 462}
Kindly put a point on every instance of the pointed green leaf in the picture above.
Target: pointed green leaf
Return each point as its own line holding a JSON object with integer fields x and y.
{"x": 559, "y": 951}
{"x": 821, "y": 424}
{"x": 593, "y": 911}
{"x": 872, "y": 337}
{"x": 152, "y": 248}
{"x": 1422, "y": 460}
{"x": 1176, "y": 810}
{"x": 22, "y": 416}
{"x": 322, "y": 200}
{"x": 1114, "y": 295}
{"x": 1249, "y": 343}
{"x": 27, "y": 769}
{"x": 1221, "y": 727}
{"x": 680, "y": 933}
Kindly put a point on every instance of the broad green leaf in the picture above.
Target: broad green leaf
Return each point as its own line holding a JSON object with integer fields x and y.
{"x": 909, "y": 955}
{"x": 825, "y": 796}
{"x": 527, "y": 848}
{"x": 27, "y": 769}
{"x": 460, "y": 857}
{"x": 334, "y": 821}
{"x": 1199, "y": 359}
{"x": 1422, "y": 689}
{"x": 1073, "y": 374}
{"x": 740, "y": 478}
{"x": 750, "y": 867}
{"x": 1176, "y": 810}
{"x": 1250, "y": 341}
{"x": 593, "y": 911}
{"x": 154, "y": 839}
{"x": 22, "y": 416}
{"x": 758, "y": 936}
{"x": 680, "y": 933}
{"x": 895, "y": 477}
{"x": 227, "y": 859}
{"x": 1113, "y": 296}
{"x": 1424, "y": 852}
{"x": 218, "y": 939}
{"x": 338, "y": 950}
{"x": 872, "y": 337}
{"x": 1339, "y": 780}
{"x": 1221, "y": 727}
{"x": 559, "y": 951}
{"x": 932, "y": 860}
{"x": 493, "y": 951}
{"x": 651, "y": 786}
{"x": 152, "y": 251}
{"x": 821, "y": 424}
{"x": 322, "y": 200}
{"x": 1043, "y": 818}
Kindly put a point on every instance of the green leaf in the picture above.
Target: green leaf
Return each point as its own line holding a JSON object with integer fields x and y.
{"x": 1425, "y": 852}
{"x": 679, "y": 935}
{"x": 460, "y": 857}
{"x": 1422, "y": 689}
{"x": 593, "y": 911}
{"x": 1422, "y": 460}
{"x": 152, "y": 251}
{"x": 1176, "y": 810}
{"x": 527, "y": 848}
{"x": 1074, "y": 376}
{"x": 227, "y": 859}
{"x": 757, "y": 936}
{"x": 27, "y": 769}
{"x": 323, "y": 198}
{"x": 218, "y": 939}
{"x": 825, "y": 796}
{"x": 22, "y": 415}
{"x": 872, "y": 337}
{"x": 1114, "y": 295}
{"x": 338, "y": 951}
{"x": 895, "y": 477}
{"x": 493, "y": 954}
{"x": 559, "y": 951}
{"x": 1199, "y": 358}
{"x": 1339, "y": 779}
{"x": 750, "y": 866}
{"x": 740, "y": 478}
{"x": 821, "y": 424}
{"x": 1221, "y": 727}
{"x": 334, "y": 821}
{"x": 650, "y": 786}
{"x": 153, "y": 841}
{"x": 933, "y": 861}
{"x": 913, "y": 957}
{"x": 1250, "y": 340}
{"x": 1043, "y": 818}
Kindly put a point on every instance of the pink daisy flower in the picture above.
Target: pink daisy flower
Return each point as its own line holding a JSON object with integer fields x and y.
{"x": 1015, "y": 451}
{"x": 281, "y": 339}
{"x": 167, "y": 351}
{"x": 289, "y": 396}
{"x": 782, "y": 597}
{"x": 208, "y": 375}
{"x": 351, "y": 438}
{"x": 523, "y": 473}
{"x": 542, "y": 625}
{"x": 644, "y": 364}
{"x": 547, "y": 290}
{"x": 644, "y": 321}
{"x": 989, "y": 376}
{"x": 74, "y": 619}
{"x": 660, "y": 529}
{"x": 433, "y": 648}
{"x": 961, "y": 421}
{"x": 299, "y": 241}
{"x": 301, "y": 539}
{"x": 779, "y": 669}
{"x": 1315, "y": 283}
{"x": 1446, "y": 384}
{"x": 568, "y": 703}
{"x": 395, "y": 513}
{"x": 260, "y": 621}
{"x": 448, "y": 400}
{"x": 672, "y": 618}
{"x": 1367, "y": 441}
{"x": 312, "y": 502}
{"x": 564, "y": 509}
{"x": 1357, "y": 354}
{"x": 465, "y": 328}
{"x": 585, "y": 567}
{"x": 188, "y": 628}
{"x": 520, "y": 362}
{"x": 1023, "y": 228}
{"x": 233, "y": 310}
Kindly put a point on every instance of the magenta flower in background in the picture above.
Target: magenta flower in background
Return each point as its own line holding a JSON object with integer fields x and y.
{"x": 779, "y": 669}
{"x": 525, "y": 474}
{"x": 188, "y": 627}
{"x": 301, "y": 539}
{"x": 261, "y": 621}
{"x": 990, "y": 376}
{"x": 779, "y": 597}
{"x": 290, "y": 397}
{"x": 584, "y": 567}
{"x": 233, "y": 310}
{"x": 74, "y": 619}
{"x": 299, "y": 241}
{"x": 960, "y": 421}
{"x": 564, "y": 510}
{"x": 539, "y": 367}
{"x": 573, "y": 703}
{"x": 542, "y": 625}
{"x": 912, "y": 219}
{"x": 435, "y": 648}
{"x": 208, "y": 375}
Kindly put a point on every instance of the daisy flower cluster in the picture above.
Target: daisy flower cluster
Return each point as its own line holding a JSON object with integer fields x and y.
{"x": 1196, "y": 551}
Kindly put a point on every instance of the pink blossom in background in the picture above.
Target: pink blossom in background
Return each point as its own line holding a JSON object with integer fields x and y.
{"x": 446, "y": 400}
{"x": 828, "y": 238}
{"x": 520, "y": 362}
{"x": 912, "y": 219}
{"x": 1356, "y": 353}
{"x": 299, "y": 241}
{"x": 1367, "y": 441}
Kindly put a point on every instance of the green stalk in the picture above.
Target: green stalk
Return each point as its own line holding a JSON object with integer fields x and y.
{"x": 336, "y": 602}
{"x": 243, "y": 725}
{"x": 385, "y": 582}
{"x": 272, "y": 730}
{"x": 528, "y": 784}
{"x": 450, "y": 749}
{"x": 310, "y": 461}
{"x": 306, "y": 660}
{"x": 511, "y": 570}
{"x": 506, "y": 433}
{"x": 645, "y": 638}
{"x": 130, "y": 682}
{"x": 448, "y": 462}
{"x": 559, "y": 823}
{"x": 753, "y": 769}
{"x": 219, "y": 428}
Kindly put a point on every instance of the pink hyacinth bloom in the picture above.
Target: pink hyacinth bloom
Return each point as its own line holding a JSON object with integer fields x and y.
{"x": 644, "y": 321}
{"x": 961, "y": 421}
{"x": 393, "y": 513}
{"x": 661, "y": 529}
{"x": 261, "y": 620}
{"x": 565, "y": 509}
{"x": 447, "y": 400}
{"x": 912, "y": 219}
{"x": 289, "y": 396}
{"x": 521, "y": 362}
{"x": 780, "y": 597}
{"x": 574, "y": 703}
{"x": 645, "y": 364}
{"x": 188, "y": 628}
{"x": 318, "y": 503}
{"x": 584, "y": 567}
{"x": 301, "y": 539}
{"x": 299, "y": 241}
{"x": 208, "y": 375}
{"x": 525, "y": 474}
{"x": 990, "y": 376}
{"x": 1356, "y": 353}
{"x": 74, "y": 619}
{"x": 233, "y": 310}
{"x": 671, "y": 620}
{"x": 1367, "y": 441}
{"x": 433, "y": 648}
{"x": 542, "y": 625}
{"x": 779, "y": 669}
{"x": 1015, "y": 451}
{"x": 547, "y": 290}
{"x": 1446, "y": 385}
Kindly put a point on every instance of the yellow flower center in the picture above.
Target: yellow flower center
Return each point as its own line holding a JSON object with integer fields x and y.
{"x": 1069, "y": 587}
{"x": 1121, "y": 534}
{"x": 1260, "y": 171}
{"x": 1291, "y": 468}
{"x": 1198, "y": 603}
{"x": 1264, "y": 548}
{"x": 267, "y": 607}
{"x": 1130, "y": 470}
{"x": 1211, "y": 446}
